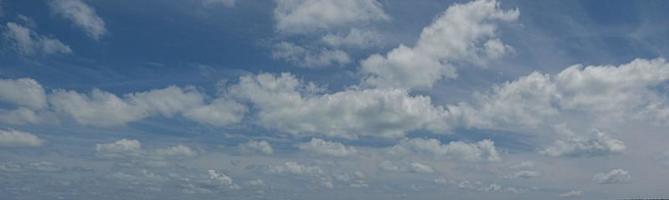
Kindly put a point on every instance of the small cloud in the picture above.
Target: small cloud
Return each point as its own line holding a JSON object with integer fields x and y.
{"x": 14, "y": 138}
{"x": 615, "y": 176}
{"x": 322, "y": 147}
{"x": 259, "y": 146}
{"x": 571, "y": 194}
{"x": 82, "y": 15}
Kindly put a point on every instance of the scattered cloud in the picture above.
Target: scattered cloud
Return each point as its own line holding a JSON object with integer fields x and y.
{"x": 599, "y": 144}
{"x": 572, "y": 194}
{"x": 298, "y": 16}
{"x": 615, "y": 176}
{"x": 82, "y": 15}
{"x": 27, "y": 42}
{"x": 14, "y": 138}
{"x": 260, "y": 146}
{"x": 322, "y": 147}
{"x": 483, "y": 150}
{"x": 120, "y": 147}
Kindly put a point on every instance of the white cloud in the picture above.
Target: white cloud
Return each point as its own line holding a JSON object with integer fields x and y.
{"x": 27, "y": 42}
{"x": 295, "y": 168}
{"x": 598, "y": 144}
{"x": 572, "y": 193}
{"x": 120, "y": 147}
{"x": 82, "y": 15}
{"x": 220, "y": 112}
{"x": 14, "y": 138}
{"x": 483, "y": 150}
{"x": 23, "y": 92}
{"x": 177, "y": 151}
{"x": 99, "y": 108}
{"x": 322, "y": 147}
{"x": 299, "y": 16}
{"x": 602, "y": 93}
{"x": 260, "y": 146}
{"x": 219, "y": 177}
{"x": 354, "y": 38}
{"x": 226, "y": 3}
{"x": 463, "y": 33}
{"x": 285, "y": 103}
{"x": 306, "y": 57}
{"x": 104, "y": 109}
{"x": 523, "y": 174}
{"x": 19, "y": 116}
{"x": 615, "y": 176}
{"x": 413, "y": 167}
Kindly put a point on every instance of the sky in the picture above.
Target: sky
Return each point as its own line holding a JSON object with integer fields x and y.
{"x": 346, "y": 99}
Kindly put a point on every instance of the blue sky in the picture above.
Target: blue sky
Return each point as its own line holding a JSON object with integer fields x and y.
{"x": 318, "y": 99}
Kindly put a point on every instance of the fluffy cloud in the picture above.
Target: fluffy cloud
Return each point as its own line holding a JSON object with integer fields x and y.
{"x": 319, "y": 146}
{"x": 598, "y": 144}
{"x": 120, "y": 147}
{"x": 23, "y": 92}
{"x": 178, "y": 151}
{"x": 313, "y": 58}
{"x": 295, "y": 16}
{"x": 219, "y": 177}
{"x": 483, "y": 150}
{"x": 463, "y": 33}
{"x": 354, "y": 38}
{"x": 260, "y": 146}
{"x": 603, "y": 93}
{"x": 28, "y": 42}
{"x": 82, "y": 15}
{"x": 615, "y": 176}
{"x": 100, "y": 108}
{"x": 220, "y": 112}
{"x": 286, "y": 104}
{"x": 14, "y": 138}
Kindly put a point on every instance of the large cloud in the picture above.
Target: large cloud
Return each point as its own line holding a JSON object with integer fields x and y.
{"x": 463, "y": 33}
{"x": 286, "y": 104}
{"x": 100, "y": 108}
{"x": 23, "y": 92}
{"x": 81, "y": 14}
{"x": 310, "y": 15}
{"x": 28, "y": 42}
{"x": 596, "y": 93}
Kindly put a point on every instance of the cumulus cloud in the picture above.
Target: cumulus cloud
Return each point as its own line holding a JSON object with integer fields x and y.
{"x": 615, "y": 176}
{"x": 483, "y": 150}
{"x": 307, "y": 57}
{"x": 14, "y": 138}
{"x": 601, "y": 92}
{"x": 176, "y": 151}
{"x": 219, "y": 177}
{"x": 220, "y": 112}
{"x": 23, "y": 92}
{"x": 27, "y": 42}
{"x": 285, "y": 103}
{"x": 100, "y": 108}
{"x": 296, "y": 16}
{"x": 260, "y": 146}
{"x": 120, "y": 147}
{"x": 82, "y": 15}
{"x": 599, "y": 144}
{"x": 463, "y": 33}
{"x": 322, "y": 147}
